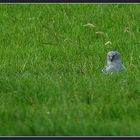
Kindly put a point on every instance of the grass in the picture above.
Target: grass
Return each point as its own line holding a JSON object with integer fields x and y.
{"x": 50, "y": 71}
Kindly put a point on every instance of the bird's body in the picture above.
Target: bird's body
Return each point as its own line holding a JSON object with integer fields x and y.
{"x": 114, "y": 63}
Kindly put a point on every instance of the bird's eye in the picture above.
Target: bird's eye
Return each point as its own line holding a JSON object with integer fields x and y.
{"x": 114, "y": 55}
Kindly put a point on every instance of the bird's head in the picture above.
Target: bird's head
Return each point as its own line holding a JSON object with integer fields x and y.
{"x": 113, "y": 56}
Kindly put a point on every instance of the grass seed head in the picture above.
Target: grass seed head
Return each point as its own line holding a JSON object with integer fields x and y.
{"x": 108, "y": 43}
{"x": 89, "y": 25}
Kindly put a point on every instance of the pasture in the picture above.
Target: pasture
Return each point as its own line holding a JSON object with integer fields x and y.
{"x": 51, "y": 59}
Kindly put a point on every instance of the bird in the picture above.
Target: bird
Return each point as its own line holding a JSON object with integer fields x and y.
{"x": 114, "y": 63}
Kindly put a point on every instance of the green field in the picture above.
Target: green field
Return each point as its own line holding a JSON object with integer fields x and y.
{"x": 50, "y": 70}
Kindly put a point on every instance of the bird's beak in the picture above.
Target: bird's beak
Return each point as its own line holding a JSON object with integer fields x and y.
{"x": 111, "y": 58}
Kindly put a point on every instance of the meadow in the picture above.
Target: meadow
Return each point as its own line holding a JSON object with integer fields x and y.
{"x": 51, "y": 57}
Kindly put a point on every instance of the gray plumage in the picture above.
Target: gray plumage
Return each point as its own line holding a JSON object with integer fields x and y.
{"x": 114, "y": 63}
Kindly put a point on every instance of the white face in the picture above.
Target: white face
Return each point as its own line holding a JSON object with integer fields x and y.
{"x": 113, "y": 56}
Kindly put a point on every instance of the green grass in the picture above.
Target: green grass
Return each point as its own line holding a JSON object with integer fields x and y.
{"x": 50, "y": 70}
